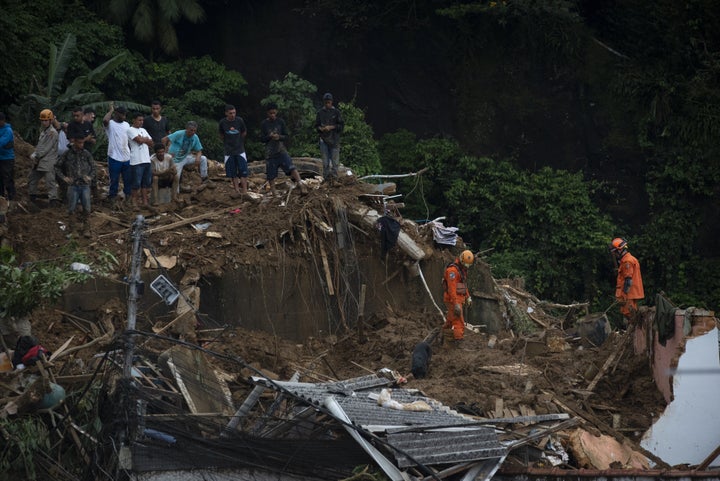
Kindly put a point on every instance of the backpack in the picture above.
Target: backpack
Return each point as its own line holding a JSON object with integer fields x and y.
{"x": 27, "y": 351}
{"x": 461, "y": 286}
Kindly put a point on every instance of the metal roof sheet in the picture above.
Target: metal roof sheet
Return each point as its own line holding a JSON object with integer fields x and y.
{"x": 426, "y": 439}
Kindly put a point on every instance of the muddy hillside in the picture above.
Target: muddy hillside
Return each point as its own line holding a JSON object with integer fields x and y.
{"x": 301, "y": 283}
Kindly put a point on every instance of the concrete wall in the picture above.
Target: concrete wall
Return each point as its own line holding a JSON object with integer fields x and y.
{"x": 291, "y": 299}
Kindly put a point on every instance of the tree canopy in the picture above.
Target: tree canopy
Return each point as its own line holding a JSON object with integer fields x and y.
{"x": 564, "y": 124}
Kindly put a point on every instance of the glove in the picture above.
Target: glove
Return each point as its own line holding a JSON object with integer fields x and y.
{"x": 457, "y": 309}
{"x": 468, "y": 301}
{"x": 628, "y": 283}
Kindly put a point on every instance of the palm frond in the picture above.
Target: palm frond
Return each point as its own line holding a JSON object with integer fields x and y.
{"x": 191, "y": 10}
{"x": 59, "y": 63}
{"x": 167, "y": 37}
{"x": 143, "y": 21}
{"x": 99, "y": 73}
{"x": 169, "y": 10}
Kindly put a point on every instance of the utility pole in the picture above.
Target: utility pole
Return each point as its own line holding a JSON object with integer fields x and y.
{"x": 134, "y": 284}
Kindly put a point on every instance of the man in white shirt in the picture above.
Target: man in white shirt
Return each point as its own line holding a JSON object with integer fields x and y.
{"x": 164, "y": 173}
{"x": 140, "y": 141}
{"x": 118, "y": 153}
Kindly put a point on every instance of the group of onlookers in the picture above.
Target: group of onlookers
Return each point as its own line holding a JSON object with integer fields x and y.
{"x": 147, "y": 156}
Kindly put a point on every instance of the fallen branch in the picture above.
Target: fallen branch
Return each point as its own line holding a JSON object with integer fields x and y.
{"x": 619, "y": 350}
{"x": 105, "y": 337}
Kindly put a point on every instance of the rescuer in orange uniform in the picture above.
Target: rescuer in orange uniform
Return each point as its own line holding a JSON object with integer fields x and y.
{"x": 456, "y": 294}
{"x": 629, "y": 286}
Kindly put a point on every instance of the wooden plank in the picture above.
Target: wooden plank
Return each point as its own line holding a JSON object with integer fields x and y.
{"x": 499, "y": 407}
{"x": 110, "y": 218}
{"x": 326, "y": 268}
{"x": 361, "y": 314}
{"x": 704, "y": 465}
{"x": 620, "y": 349}
{"x": 170, "y": 226}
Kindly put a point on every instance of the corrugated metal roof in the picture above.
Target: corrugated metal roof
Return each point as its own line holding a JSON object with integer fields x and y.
{"x": 428, "y": 443}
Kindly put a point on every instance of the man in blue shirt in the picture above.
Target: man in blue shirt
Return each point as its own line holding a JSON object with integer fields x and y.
{"x": 185, "y": 147}
{"x": 7, "y": 159}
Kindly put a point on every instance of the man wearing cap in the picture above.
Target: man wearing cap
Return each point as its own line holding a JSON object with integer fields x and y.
{"x": 44, "y": 159}
{"x": 118, "y": 153}
{"x": 329, "y": 123}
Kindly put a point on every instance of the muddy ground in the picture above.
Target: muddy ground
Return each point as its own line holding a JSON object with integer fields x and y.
{"x": 475, "y": 379}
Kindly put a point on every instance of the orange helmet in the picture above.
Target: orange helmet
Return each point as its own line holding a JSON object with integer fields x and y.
{"x": 46, "y": 114}
{"x": 618, "y": 244}
{"x": 467, "y": 258}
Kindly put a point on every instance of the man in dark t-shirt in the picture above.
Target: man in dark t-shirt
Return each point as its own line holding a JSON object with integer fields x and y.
{"x": 232, "y": 132}
{"x": 157, "y": 125}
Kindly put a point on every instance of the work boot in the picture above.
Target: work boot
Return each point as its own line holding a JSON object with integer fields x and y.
{"x": 54, "y": 203}
{"x": 458, "y": 344}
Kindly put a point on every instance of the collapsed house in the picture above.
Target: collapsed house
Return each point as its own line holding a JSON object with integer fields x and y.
{"x": 167, "y": 399}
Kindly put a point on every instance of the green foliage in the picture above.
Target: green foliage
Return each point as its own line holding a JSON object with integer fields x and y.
{"x": 81, "y": 91}
{"x": 24, "y": 287}
{"x": 542, "y": 226}
{"x": 293, "y": 96}
{"x": 397, "y": 152}
{"x": 358, "y": 148}
{"x": 195, "y": 89}
{"x": 423, "y": 195}
{"x": 23, "y": 438}
{"x": 682, "y": 192}
{"x": 25, "y": 38}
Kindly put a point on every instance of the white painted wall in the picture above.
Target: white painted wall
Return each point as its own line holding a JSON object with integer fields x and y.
{"x": 689, "y": 429}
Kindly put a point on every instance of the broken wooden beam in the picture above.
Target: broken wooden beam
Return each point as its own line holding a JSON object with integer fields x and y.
{"x": 326, "y": 268}
{"x": 620, "y": 349}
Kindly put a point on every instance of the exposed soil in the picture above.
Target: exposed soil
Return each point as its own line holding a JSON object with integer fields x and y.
{"x": 543, "y": 383}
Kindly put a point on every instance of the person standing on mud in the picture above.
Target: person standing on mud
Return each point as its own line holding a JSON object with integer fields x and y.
{"x": 44, "y": 159}
{"x": 274, "y": 134}
{"x": 140, "y": 165}
{"x": 232, "y": 132}
{"x": 456, "y": 294}
{"x": 7, "y": 159}
{"x": 118, "y": 153}
{"x": 629, "y": 284}
{"x": 329, "y": 123}
{"x": 157, "y": 125}
{"x": 76, "y": 168}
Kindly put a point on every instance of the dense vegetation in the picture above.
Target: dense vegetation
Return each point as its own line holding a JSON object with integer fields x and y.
{"x": 625, "y": 96}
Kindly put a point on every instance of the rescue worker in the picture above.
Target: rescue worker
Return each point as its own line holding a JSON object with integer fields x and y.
{"x": 455, "y": 296}
{"x": 44, "y": 159}
{"x": 629, "y": 285}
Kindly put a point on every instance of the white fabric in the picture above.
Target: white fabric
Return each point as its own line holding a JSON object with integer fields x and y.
{"x": 442, "y": 234}
{"x": 62, "y": 143}
{"x": 139, "y": 153}
{"x": 118, "y": 148}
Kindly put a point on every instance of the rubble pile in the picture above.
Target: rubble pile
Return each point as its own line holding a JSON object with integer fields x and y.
{"x": 552, "y": 388}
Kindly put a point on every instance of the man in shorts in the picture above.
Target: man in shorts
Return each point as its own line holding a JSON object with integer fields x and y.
{"x": 232, "y": 132}
{"x": 274, "y": 134}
